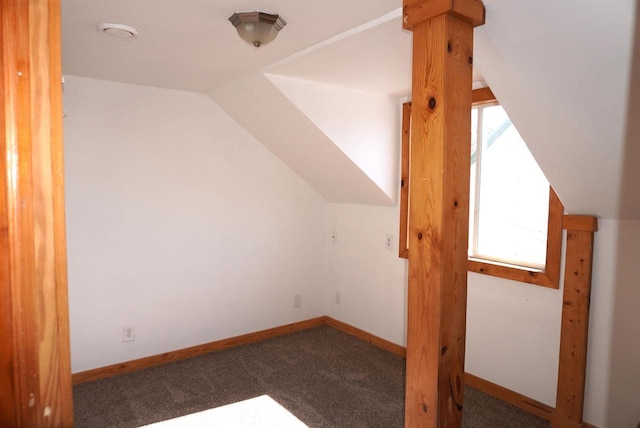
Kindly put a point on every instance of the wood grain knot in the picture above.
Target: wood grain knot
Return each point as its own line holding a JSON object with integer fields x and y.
{"x": 455, "y": 204}
{"x": 425, "y": 408}
{"x": 443, "y": 350}
{"x": 401, "y": 183}
{"x": 432, "y": 103}
{"x": 419, "y": 235}
{"x": 449, "y": 47}
{"x": 470, "y": 59}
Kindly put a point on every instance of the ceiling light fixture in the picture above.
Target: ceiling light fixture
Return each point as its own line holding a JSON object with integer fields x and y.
{"x": 117, "y": 31}
{"x": 257, "y": 27}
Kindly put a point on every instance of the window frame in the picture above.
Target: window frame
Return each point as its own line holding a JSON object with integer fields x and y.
{"x": 549, "y": 276}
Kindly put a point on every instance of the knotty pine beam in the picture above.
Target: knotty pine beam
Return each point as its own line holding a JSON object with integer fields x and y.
{"x": 439, "y": 201}
{"x": 35, "y": 377}
{"x": 574, "y": 329}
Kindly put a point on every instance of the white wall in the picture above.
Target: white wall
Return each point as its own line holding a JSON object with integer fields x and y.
{"x": 371, "y": 280}
{"x": 513, "y": 335}
{"x": 180, "y": 223}
{"x": 624, "y": 339}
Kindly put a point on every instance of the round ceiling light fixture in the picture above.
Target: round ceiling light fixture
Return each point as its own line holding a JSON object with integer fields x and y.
{"x": 117, "y": 31}
{"x": 257, "y": 27}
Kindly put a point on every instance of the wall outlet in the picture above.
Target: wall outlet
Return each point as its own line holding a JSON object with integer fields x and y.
{"x": 128, "y": 333}
{"x": 388, "y": 242}
{"x": 297, "y": 301}
{"x": 334, "y": 237}
{"x": 338, "y": 298}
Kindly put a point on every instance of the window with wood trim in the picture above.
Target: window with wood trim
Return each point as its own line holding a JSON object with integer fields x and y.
{"x": 515, "y": 225}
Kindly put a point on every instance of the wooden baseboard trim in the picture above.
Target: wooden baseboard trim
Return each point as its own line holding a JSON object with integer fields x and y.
{"x": 181, "y": 354}
{"x": 525, "y": 403}
{"x": 521, "y": 401}
{"x": 367, "y": 337}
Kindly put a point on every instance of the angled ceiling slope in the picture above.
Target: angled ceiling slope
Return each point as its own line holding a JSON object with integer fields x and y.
{"x": 266, "y": 113}
{"x": 363, "y": 125}
{"x": 563, "y": 74}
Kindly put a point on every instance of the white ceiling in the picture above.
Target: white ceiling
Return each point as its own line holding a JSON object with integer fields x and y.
{"x": 561, "y": 68}
{"x": 190, "y": 44}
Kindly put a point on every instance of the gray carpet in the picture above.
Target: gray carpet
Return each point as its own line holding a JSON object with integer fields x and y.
{"x": 324, "y": 377}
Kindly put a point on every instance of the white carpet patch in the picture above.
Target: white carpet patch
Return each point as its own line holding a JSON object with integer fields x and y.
{"x": 262, "y": 411}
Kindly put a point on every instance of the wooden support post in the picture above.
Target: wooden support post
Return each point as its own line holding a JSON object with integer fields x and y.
{"x": 35, "y": 375}
{"x": 575, "y": 321}
{"x": 439, "y": 201}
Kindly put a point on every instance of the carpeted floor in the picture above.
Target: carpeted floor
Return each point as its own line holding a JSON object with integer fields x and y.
{"x": 322, "y": 376}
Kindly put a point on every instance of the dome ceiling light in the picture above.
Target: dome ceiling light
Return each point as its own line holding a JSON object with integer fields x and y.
{"x": 257, "y": 27}
{"x": 117, "y": 31}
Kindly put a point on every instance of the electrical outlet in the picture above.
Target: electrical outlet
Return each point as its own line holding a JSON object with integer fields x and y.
{"x": 334, "y": 237}
{"x": 338, "y": 298}
{"x": 297, "y": 301}
{"x": 388, "y": 242}
{"x": 128, "y": 333}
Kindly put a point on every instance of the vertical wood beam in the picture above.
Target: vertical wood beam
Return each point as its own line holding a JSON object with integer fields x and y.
{"x": 34, "y": 356}
{"x": 439, "y": 213}
{"x": 403, "y": 248}
{"x": 575, "y": 321}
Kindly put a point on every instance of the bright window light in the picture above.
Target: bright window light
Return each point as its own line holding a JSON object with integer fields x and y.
{"x": 509, "y": 198}
{"x": 262, "y": 411}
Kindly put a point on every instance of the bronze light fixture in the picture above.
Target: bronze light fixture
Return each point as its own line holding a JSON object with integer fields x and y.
{"x": 257, "y": 27}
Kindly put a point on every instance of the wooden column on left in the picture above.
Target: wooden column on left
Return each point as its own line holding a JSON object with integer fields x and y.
{"x": 35, "y": 375}
{"x": 439, "y": 207}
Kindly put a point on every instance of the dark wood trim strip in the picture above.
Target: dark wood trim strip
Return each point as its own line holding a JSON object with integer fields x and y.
{"x": 367, "y": 337}
{"x": 574, "y": 330}
{"x": 403, "y": 247}
{"x": 181, "y": 354}
{"x": 584, "y": 223}
{"x": 483, "y": 95}
{"x": 521, "y": 401}
{"x": 554, "y": 239}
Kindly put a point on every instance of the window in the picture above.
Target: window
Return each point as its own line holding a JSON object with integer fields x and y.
{"x": 515, "y": 217}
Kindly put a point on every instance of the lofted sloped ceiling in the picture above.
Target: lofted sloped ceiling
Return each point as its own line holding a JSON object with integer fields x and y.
{"x": 562, "y": 70}
{"x": 258, "y": 105}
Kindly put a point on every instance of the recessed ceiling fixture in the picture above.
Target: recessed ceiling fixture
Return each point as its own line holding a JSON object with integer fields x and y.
{"x": 257, "y": 27}
{"x": 117, "y": 31}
